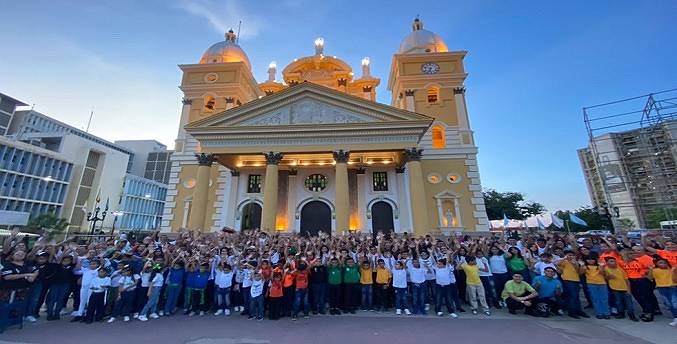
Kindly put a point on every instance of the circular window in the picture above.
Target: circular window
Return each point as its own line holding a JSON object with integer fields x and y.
{"x": 434, "y": 178}
{"x": 453, "y": 178}
{"x": 211, "y": 77}
{"x": 189, "y": 183}
{"x": 315, "y": 182}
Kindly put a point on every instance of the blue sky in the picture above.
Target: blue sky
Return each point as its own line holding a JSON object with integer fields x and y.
{"x": 532, "y": 65}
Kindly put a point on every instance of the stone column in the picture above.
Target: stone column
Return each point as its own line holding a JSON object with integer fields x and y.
{"x": 269, "y": 211}
{"x": 342, "y": 204}
{"x": 185, "y": 116}
{"x": 366, "y": 92}
{"x": 461, "y": 110}
{"x": 409, "y": 100}
{"x": 419, "y": 212}
{"x": 200, "y": 195}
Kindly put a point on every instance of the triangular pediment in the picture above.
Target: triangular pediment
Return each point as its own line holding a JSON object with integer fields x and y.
{"x": 307, "y": 104}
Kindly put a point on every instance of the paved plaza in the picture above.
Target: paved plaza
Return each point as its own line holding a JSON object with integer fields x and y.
{"x": 361, "y": 328}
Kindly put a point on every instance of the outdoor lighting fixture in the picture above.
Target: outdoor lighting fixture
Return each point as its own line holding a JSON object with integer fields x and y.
{"x": 319, "y": 46}
{"x": 48, "y": 179}
{"x": 365, "y": 61}
{"x": 147, "y": 195}
{"x": 369, "y": 162}
{"x": 272, "y": 65}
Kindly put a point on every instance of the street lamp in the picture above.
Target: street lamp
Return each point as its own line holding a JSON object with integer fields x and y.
{"x": 94, "y": 218}
{"x": 116, "y": 214}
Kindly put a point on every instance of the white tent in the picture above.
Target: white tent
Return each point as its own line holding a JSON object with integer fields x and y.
{"x": 530, "y": 222}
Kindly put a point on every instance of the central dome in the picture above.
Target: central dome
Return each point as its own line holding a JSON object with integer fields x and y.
{"x": 226, "y": 51}
{"x": 421, "y": 41}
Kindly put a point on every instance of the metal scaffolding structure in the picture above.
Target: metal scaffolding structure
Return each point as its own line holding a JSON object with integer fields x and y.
{"x": 629, "y": 163}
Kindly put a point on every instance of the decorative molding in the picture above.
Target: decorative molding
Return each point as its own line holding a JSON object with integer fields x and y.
{"x": 234, "y": 173}
{"x": 459, "y": 90}
{"x": 342, "y": 82}
{"x": 186, "y": 101}
{"x": 367, "y": 89}
{"x": 399, "y": 169}
{"x": 413, "y": 154}
{"x": 230, "y": 100}
{"x": 269, "y": 92}
{"x": 273, "y": 158}
{"x": 393, "y": 204}
{"x": 341, "y": 156}
{"x": 360, "y": 170}
{"x": 293, "y": 83}
{"x": 293, "y": 172}
{"x": 205, "y": 159}
{"x": 409, "y": 93}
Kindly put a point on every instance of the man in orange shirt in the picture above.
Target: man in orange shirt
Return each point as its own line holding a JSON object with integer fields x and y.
{"x": 301, "y": 291}
{"x": 637, "y": 268}
{"x": 669, "y": 253}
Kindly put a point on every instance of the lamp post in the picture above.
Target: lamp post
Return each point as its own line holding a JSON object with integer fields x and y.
{"x": 115, "y": 214}
{"x": 94, "y": 217}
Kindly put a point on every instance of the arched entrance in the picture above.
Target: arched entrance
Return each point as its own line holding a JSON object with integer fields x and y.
{"x": 382, "y": 218}
{"x": 315, "y": 217}
{"x": 251, "y": 216}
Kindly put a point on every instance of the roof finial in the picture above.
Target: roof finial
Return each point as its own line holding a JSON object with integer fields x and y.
{"x": 230, "y": 36}
{"x": 418, "y": 24}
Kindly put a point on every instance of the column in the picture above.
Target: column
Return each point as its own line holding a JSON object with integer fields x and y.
{"x": 185, "y": 115}
{"x": 231, "y": 206}
{"x": 403, "y": 202}
{"x": 409, "y": 100}
{"x": 342, "y": 205}
{"x": 461, "y": 110}
{"x": 291, "y": 201}
{"x": 419, "y": 213}
{"x": 201, "y": 193}
{"x": 269, "y": 211}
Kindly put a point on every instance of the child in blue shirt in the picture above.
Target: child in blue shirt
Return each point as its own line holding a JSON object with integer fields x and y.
{"x": 175, "y": 280}
{"x": 196, "y": 285}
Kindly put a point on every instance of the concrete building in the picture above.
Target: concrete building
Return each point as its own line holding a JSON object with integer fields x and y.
{"x": 151, "y": 159}
{"x": 158, "y": 166}
{"x": 315, "y": 151}
{"x": 8, "y": 106}
{"x": 142, "y": 203}
{"x": 33, "y": 180}
{"x": 633, "y": 170}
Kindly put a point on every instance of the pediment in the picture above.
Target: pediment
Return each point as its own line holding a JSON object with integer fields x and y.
{"x": 307, "y": 104}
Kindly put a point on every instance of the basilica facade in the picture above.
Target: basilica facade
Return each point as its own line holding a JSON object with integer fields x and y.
{"x": 314, "y": 151}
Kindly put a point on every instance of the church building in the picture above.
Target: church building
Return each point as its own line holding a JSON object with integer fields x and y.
{"x": 315, "y": 151}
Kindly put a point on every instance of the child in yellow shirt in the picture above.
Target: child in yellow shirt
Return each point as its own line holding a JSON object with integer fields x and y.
{"x": 366, "y": 282}
{"x": 383, "y": 278}
{"x": 617, "y": 279}
{"x": 666, "y": 284}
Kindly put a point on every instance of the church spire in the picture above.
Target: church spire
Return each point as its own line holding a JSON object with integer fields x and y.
{"x": 417, "y": 25}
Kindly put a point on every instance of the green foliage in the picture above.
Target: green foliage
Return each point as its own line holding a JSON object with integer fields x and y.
{"x": 47, "y": 224}
{"x": 626, "y": 224}
{"x": 654, "y": 218}
{"x": 512, "y": 204}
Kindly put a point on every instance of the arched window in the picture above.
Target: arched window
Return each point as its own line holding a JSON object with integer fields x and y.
{"x": 209, "y": 103}
{"x": 438, "y": 137}
{"x": 433, "y": 95}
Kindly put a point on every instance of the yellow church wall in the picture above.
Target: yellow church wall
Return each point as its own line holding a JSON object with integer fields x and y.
{"x": 414, "y": 68}
{"x": 187, "y": 173}
{"x": 444, "y": 110}
{"x": 444, "y": 167}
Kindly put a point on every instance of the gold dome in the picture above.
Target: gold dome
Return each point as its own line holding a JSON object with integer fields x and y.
{"x": 226, "y": 51}
{"x": 421, "y": 41}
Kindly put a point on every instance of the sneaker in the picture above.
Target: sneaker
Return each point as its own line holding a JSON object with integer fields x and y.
{"x": 161, "y": 313}
{"x": 154, "y": 316}
{"x": 560, "y": 312}
{"x": 474, "y": 312}
{"x": 259, "y": 318}
{"x": 293, "y": 318}
{"x": 226, "y": 312}
{"x": 126, "y": 318}
{"x": 427, "y": 306}
{"x": 487, "y": 312}
{"x": 202, "y": 313}
{"x": 142, "y": 318}
{"x": 453, "y": 315}
{"x": 111, "y": 320}
{"x": 219, "y": 312}
{"x": 407, "y": 312}
{"x": 674, "y": 322}
{"x": 305, "y": 316}
{"x": 398, "y": 312}
{"x": 135, "y": 316}
{"x": 439, "y": 314}
{"x": 191, "y": 314}
{"x": 30, "y": 318}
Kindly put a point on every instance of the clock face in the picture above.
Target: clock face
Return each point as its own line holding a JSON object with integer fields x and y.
{"x": 430, "y": 68}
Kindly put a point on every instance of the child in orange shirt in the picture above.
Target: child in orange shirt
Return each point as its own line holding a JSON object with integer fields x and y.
{"x": 274, "y": 295}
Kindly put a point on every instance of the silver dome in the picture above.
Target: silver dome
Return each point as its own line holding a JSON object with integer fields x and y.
{"x": 421, "y": 41}
{"x": 226, "y": 51}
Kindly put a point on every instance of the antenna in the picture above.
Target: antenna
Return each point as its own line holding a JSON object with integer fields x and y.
{"x": 239, "y": 26}
{"x": 91, "y": 114}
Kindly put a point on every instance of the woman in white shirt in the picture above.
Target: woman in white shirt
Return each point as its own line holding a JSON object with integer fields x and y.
{"x": 155, "y": 282}
{"x": 499, "y": 270}
{"x": 486, "y": 277}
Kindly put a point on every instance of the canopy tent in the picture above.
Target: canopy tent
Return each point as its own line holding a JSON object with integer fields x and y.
{"x": 530, "y": 222}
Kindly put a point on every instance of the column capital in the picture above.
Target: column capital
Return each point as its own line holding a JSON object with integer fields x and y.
{"x": 413, "y": 154}
{"x": 205, "y": 159}
{"x": 367, "y": 88}
{"x": 399, "y": 169}
{"x": 360, "y": 171}
{"x": 230, "y": 100}
{"x": 273, "y": 158}
{"x": 341, "y": 156}
{"x": 186, "y": 101}
{"x": 459, "y": 90}
{"x": 293, "y": 172}
{"x": 234, "y": 173}
{"x": 409, "y": 93}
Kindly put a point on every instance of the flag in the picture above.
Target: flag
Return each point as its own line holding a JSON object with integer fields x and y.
{"x": 577, "y": 220}
{"x": 541, "y": 225}
{"x": 506, "y": 221}
{"x": 556, "y": 221}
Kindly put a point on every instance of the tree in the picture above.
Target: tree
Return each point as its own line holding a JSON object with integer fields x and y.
{"x": 512, "y": 204}
{"x": 47, "y": 224}
{"x": 654, "y": 218}
{"x": 626, "y": 224}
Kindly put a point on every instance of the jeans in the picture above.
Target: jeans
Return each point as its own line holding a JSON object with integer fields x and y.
{"x": 124, "y": 305}
{"x": 670, "y": 298}
{"x": 600, "y": 298}
{"x": 352, "y": 296}
{"x": 401, "y": 298}
{"x": 623, "y": 302}
{"x": 223, "y": 298}
{"x": 489, "y": 289}
{"x": 334, "y": 293}
{"x": 418, "y": 297}
{"x": 256, "y": 307}
{"x": 274, "y": 307}
{"x": 381, "y": 296}
{"x": 319, "y": 298}
{"x": 499, "y": 282}
{"x": 32, "y": 306}
{"x": 173, "y": 292}
{"x": 367, "y": 296}
{"x": 246, "y": 299}
{"x": 95, "y": 307}
{"x": 151, "y": 305}
{"x": 301, "y": 300}
{"x": 642, "y": 291}
{"x": 572, "y": 292}
{"x": 56, "y": 297}
{"x": 447, "y": 293}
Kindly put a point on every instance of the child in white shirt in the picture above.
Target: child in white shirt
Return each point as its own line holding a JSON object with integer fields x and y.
{"x": 223, "y": 281}
{"x": 400, "y": 286}
{"x": 98, "y": 286}
{"x": 417, "y": 276}
{"x": 445, "y": 288}
{"x": 88, "y": 274}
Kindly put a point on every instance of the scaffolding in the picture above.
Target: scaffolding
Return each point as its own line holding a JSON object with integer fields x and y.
{"x": 629, "y": 164}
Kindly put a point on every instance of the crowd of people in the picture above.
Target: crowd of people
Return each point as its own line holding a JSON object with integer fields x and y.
{"x": 254, "y": 273}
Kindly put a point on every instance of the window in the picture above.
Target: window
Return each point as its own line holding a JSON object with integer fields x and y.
{"x": 254, "y": 185}
{"x": 433, "y": 95}
{"x": 315, "y": 182}
{"x": 380, "y": 180}
{"x": 438, "y": 137}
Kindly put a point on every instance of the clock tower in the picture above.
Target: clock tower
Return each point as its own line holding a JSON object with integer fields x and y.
{"x": 427, "y": 78}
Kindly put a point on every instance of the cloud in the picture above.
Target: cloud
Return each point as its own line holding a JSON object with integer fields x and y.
{"x": 223, "y": 16}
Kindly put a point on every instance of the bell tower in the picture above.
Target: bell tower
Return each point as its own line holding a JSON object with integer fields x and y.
{"x": 427, "y": 78}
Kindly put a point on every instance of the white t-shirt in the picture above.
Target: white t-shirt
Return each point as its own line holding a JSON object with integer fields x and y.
{"x": 99, "y": 284}
{"x": 428, "y": 263}
{"x": 483, "y": 263}
{"x": 257, "y": 288}
{"x": 399, "y": 278}
{"x": 497, "y": 264}
{"x": 417, "y": 275}
{"x": 158, "y": 280}
{"x": 539, "y": 268}
{"x": 223, "y": 279}
{"x": 246, "y": 278}
{"x": 445, "y": 275}
{"x": 128, "y": 283}
{"x": 88, "y": 275}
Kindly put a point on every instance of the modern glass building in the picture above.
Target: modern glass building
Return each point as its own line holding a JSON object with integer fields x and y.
{"x": 158, "y": 166}
{"x": 8, "y": 106}
{"x": 32, "y": 179}
{"x": 142, "y": 203}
